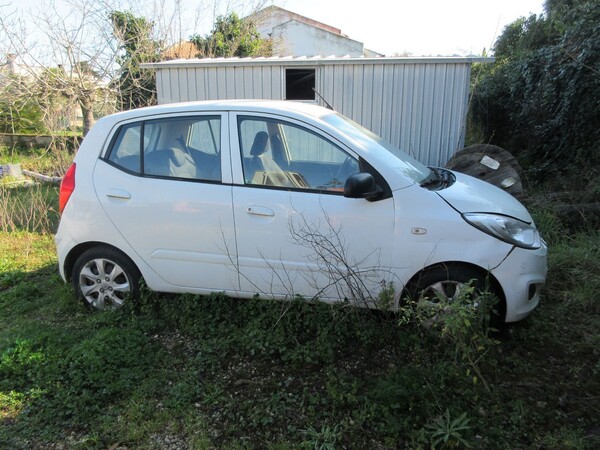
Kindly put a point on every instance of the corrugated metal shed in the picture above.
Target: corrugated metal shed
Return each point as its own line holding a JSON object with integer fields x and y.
{"x": 418, "y": 104}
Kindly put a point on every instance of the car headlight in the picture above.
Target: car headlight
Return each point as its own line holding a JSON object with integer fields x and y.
{"x": 507, "y": 229}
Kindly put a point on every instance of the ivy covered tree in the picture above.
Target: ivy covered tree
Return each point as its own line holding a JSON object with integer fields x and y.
{"x": 232, "y": 36}
{"x": 136, "y": 86}
{"x": 525, "y": 35}
{"x": 541, "y": 99}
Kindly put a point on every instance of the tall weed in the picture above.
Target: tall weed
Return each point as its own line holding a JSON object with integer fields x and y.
{"x": 458, "y": 328}
{"x": 31, "y": 208}
{"x": 574, "y": 271}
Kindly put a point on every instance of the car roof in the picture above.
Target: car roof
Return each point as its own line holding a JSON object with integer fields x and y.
{"x": 265, "y": 106}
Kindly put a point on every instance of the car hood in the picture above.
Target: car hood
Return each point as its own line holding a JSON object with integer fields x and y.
{"x": 469, "y": 195}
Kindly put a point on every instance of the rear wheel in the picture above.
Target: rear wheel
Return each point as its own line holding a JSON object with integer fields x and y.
{"x": 104, "y": 278}
{"x": 456, "y": 282}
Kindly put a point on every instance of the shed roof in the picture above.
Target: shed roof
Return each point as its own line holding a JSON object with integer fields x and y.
{"x": 313, "y": 60}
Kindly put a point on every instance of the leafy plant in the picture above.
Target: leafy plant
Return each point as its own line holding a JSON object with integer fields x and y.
{"x": 323, "y": 439}
{"x": 20, "y": 366}
{"x": 136, "y": 87}
{"x": 19, "y": 111}
{"x": 447, "y": 432}
{"x": 459, "y": 325}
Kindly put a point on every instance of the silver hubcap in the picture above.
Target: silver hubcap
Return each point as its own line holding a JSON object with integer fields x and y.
{"x": 104, "y": 284}
{"x": 443, "y": 290}
{"x": 446, "y": 292}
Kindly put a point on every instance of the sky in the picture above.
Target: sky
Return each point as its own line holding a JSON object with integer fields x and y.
{"x": 419, "y": 27}
{"x": 416, "y": 27}
{"x": 413, "y": 27}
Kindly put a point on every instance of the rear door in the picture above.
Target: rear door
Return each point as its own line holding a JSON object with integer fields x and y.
{"x": 163, "y": 185}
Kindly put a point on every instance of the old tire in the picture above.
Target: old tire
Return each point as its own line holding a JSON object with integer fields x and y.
{"x": 490, "y": 163}
{"x": 104, "y": 278}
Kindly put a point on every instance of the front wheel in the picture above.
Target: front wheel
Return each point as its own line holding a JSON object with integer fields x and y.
{"x": 104, "y": 278}
{"x": 450, "y": 283}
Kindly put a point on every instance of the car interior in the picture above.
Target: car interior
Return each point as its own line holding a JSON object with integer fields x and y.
{"x": 273, "y": 153}
{"x": 288, "y": 156}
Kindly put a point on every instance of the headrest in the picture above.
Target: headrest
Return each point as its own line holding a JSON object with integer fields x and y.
{"x": 178, "y": 156}
{"x": 259, "y": 146}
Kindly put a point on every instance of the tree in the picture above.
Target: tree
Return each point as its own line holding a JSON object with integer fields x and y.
{"x": 232, "y": 36}
{"x": 87, "y": 54}
{"x": 525, "y": 35}
{"x": 75, "y": 60}
{"x": 137, "y": 87}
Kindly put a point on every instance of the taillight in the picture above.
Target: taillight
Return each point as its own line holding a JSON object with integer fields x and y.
{"x": 67, "y": 186}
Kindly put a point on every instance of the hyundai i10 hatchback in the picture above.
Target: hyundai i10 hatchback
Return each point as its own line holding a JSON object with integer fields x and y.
{"x": 282, "y": 199}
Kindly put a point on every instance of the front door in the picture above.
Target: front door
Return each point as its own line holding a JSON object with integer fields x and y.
{"x": 296, "y": 233}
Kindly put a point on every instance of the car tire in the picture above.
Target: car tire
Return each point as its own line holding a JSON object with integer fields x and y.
{"x": 448, "y": 281}
{"x": 104, "y": 278}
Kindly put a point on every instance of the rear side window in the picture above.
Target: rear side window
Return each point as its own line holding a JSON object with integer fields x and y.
{"x": 126, "y": 148}
{"x": 185, "y": 148}
{"x": 205, "y": 136}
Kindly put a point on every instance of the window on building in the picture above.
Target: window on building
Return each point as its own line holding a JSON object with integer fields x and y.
{"x": 299, "y": 84}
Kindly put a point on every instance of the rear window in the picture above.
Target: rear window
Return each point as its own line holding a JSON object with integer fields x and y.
{"x": 186, "y": 147}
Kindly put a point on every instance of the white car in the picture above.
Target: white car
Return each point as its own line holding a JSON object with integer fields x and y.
{"x": 282, "y": 199}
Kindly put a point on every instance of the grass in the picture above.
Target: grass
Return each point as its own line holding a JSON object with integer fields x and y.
{"x": 182, "y": 371}
{"x": 51, "y": 162}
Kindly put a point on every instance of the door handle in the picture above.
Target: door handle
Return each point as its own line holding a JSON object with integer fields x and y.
{"x": 260, "y": 211}
{"x": 118, "y": 193}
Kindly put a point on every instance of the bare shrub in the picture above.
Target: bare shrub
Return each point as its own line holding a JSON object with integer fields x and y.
{"x": 338, "y": 271}
{"x": 359, "y": 279}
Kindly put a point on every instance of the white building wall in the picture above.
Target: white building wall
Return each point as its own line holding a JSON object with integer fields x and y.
{"x": 417, "y": 104}
{"x": 296, "y": 38}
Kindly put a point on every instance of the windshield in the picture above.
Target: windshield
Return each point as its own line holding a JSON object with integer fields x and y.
{"x": 408, "y": 165}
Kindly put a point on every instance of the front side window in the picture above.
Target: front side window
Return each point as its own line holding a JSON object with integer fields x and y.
{"x": 185, "y": 147}
{"x": 281, "y": 154}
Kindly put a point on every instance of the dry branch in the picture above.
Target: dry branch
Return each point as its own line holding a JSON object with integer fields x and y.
{"x": 41, "y": 177}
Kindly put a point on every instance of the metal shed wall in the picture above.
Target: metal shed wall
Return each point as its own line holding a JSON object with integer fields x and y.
{"x": 418, "y": 104}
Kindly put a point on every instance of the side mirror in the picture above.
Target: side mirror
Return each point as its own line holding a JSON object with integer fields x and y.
{"x": 361, "y": 185}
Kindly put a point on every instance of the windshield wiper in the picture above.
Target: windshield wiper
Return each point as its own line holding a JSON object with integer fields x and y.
{"x": 434, "y": 177}
{"x": 439, "y": 178}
